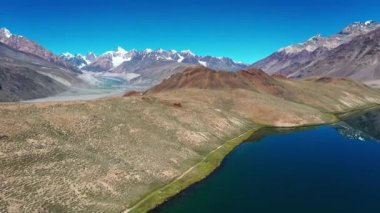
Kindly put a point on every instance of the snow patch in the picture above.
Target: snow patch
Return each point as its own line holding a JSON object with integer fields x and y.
{"x": 180, "y": 58}
{"x": 120, "y": 50}
{"x": 68, "y": 55}
{"x": 117, "y": 60}
{"x": 148, "y": 50}
{"x": 368, "y": 22}
{"x": 187, "y": 52}
{"x": 6, "y": 32}
{"x": 203, "y": 63}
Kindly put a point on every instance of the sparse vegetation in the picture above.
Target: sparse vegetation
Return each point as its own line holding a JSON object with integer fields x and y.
{"x": 196, "y": 173}
{"x": 114, "y": 154}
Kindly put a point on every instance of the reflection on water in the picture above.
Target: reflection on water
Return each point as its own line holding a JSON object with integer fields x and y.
{"x": 351, "y": 133}
{"x": 361, "y": 125}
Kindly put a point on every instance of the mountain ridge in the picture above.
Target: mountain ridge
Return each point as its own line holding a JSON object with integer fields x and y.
{"x": 293, "y": 58}
{"x": 112, "y": 61}
{"x": 27, "y": 76}
{"x": 24, "y": 44}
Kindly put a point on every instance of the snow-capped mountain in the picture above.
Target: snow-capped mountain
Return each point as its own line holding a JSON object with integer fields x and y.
{"x": 148, "y": 67}
{"x": 294, "y": 57}
{"x": 78, "y": 60}
{"x": 121, "y": 60}
{"x": 26, "y": 45}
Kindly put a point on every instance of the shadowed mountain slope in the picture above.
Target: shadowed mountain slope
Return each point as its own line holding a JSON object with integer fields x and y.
{"x": 26, "y": 76}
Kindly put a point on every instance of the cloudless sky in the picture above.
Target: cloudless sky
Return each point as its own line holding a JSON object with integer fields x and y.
{"x": 241, "y": 29}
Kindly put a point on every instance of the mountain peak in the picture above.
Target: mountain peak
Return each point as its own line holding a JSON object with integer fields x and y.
{"x": 316, "y": 37}
{"x": 148, "y": 50}
{"x": 5, "y": 32}
{"x": 91, "y": 54}
{"x": 369, "y": 22}
{"x": 121, "y": 50}
{"x": 358, "y": 27}
{"x": 138, "y": 59}
{"x": 187, "y": 52}
{"x": 68, "y": 55}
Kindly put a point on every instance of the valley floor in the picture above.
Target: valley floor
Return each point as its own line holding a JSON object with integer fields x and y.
{"x": 80, "y": 94}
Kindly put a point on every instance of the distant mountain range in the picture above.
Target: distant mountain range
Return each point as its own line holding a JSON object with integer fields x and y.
{"x": 354, "y": 52}
{"x": 147, "y": 67}
{"x": 121, "y": 60}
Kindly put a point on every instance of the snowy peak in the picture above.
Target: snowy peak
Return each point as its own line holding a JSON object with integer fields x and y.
{"x": 318, "y": 41}
{"x": 147, "y": 51}
{"x": 67, "y": 55}
{"x": 78, "y": 60}
{"x": 121, "y": 59}
{"x": 187, "y": 52}
{"x": 360, "y": 27}
{"x": 317, "y": 37}
{"x": 313, "y": 43}
{"x": 4, "y": 32}
{"x": 26, "y": 45}
{"x": 120, "y": 50}
{"x": 91, "y": 57}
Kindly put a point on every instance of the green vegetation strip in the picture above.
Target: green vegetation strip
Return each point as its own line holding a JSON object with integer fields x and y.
{"x": 209, "y": 163}
{"x": 195, "y": 174}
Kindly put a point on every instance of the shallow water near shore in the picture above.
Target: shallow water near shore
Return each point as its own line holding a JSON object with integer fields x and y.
{"x": 331, "y": 168}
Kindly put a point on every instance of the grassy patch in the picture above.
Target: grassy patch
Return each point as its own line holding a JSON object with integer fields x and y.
{"x": 201, "y": 170}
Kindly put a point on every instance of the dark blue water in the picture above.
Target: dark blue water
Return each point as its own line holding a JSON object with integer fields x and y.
{"x": 325, "y": 169}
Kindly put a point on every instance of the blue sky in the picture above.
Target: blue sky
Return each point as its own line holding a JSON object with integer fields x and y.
{"x": 241, "y": 29}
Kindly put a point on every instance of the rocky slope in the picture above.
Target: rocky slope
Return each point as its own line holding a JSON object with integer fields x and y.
{"x": 26, "y": 76}
{"x": 295, "y": 60}
{"x": 26, "y": 45}
{"x": 358, "y": 59}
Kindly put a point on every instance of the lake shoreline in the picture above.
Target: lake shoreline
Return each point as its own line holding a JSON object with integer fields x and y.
{"x": 214, "y": 159}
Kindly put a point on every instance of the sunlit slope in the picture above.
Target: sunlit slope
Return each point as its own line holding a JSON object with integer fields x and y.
{"x": 105, "y": 155}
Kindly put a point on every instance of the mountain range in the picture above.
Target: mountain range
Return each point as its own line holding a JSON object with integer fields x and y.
{"x": 353, "y": 52}
{"x": 121, "y": 60}
{"x": 28, "y": 71}
{"x": 26, "y": 45}
{"x": 132, "y": 153}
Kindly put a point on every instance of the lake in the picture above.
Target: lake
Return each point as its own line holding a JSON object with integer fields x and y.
{"x": 331, "y": 168}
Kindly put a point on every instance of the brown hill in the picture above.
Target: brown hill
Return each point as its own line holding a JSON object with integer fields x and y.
{"x": 205, "y": 78}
